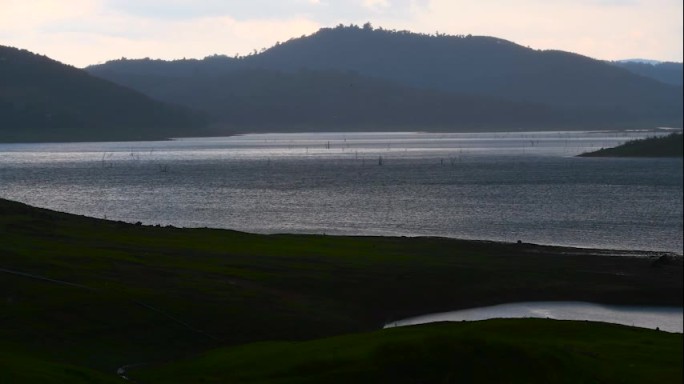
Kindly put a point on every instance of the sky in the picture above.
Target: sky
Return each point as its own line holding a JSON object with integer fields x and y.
{"x": 84, "y": 32}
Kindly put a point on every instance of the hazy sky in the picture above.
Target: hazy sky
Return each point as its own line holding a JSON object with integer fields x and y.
{"x": 82, "y": 32}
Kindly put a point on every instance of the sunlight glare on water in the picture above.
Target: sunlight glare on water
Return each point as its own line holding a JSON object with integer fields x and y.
{"x": 667, "y": 319}
{"x": 495, "y": 186}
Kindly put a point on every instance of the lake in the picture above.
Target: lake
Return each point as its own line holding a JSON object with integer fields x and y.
{"x": 496, "y": 186}
{"x": 664, "y": 318}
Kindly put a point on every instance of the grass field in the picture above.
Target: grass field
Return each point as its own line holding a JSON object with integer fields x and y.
{"x": 82, "y": 296}
{"x": 493, "y": 351}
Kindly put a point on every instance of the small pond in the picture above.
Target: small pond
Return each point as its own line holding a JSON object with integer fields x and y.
{"x": 664, "y": 318}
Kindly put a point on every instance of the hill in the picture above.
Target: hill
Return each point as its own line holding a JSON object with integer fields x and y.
{"x": 665, "y": 72}
{"x": 83, "y": 296}
{"x": 267, "y": 100}
{"x": 44, "y": 100}
{"x": 589, "y": 91}
{"x": 558, "y": 351}
{"x": 671, "y": 145}
{"x": 466, "y": 64}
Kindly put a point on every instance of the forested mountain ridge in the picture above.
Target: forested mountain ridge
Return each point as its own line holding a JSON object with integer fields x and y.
{"x": 465, "y": 64}
{"x": 210, "y": 65}
{"x": 44, "y": 100}
{"x": 343, "y": 78}
{"x": 254, "y": 100}
{"x": 665, "y": 72}
{"x": 579, "y": 89}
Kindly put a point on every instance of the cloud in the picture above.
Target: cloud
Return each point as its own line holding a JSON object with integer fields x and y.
{"x": 317, "y": 10}
{"x": 21, "y": 16}
{"x": 376, "y": 4}
{"x": 611, "y": 2}
{"x": 83, "y": 32}
{"x": 606, "y": 29}
{"x": 189, "y": 9}
{"x": 94, "y": 41}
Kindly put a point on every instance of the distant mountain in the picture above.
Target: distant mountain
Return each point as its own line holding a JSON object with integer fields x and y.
{"x": 44, "y": 100}
{"x": 210, "y": 65}
{"x": 253, "y": 100}
{"x": 641, "y": 61}
{"x": 665, "y": 146}
{"x": 665, "y": 72}
{"x": 573, "y": 87}
{"x": 465, "y": 64}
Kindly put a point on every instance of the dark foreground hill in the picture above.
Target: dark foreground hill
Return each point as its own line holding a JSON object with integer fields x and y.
{"x": 665, "y": 146}
{"x": 82, "y": 297}
{"x": 44, "y": 100}
{"x": 587, "y": 91}
{"x": 522, "y": 350}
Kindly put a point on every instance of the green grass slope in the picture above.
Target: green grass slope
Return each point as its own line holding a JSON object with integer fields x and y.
{"x": 494, "y": 351}
{"x": 671, "y": 145}
{"x": 16, "y": 367}
{"x": 99, "y": 294}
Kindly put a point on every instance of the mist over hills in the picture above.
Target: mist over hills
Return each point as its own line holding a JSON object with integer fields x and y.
{"x": 554, "y": 89}
{"x": 44, "y": 100}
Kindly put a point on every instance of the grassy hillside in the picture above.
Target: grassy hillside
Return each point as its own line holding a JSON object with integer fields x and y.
{"x": 671, "y": 145}
{"x": 97, "y": 294}
{"x": 493, "y": 351}
{"x": 18, "y": 367}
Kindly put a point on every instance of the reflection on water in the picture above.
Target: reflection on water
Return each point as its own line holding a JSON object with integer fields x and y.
{"x": 339, "y": 145}
{"x": 492, "y": 186}
{"x": 665, "y": 318}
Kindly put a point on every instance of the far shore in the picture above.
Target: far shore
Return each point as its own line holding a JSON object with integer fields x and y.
{"x": 316, "y": 130}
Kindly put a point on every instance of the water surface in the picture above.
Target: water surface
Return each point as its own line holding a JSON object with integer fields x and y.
{"x": 664, "y": 318}
{"x": 495, "y": 186}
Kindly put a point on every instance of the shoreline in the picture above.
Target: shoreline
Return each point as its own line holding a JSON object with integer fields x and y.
{"x": 555, "y": 310}
{"x": 243, "y": 288}
{"x": 570, "y": 249}
{"x": 522, "y": 218}
{"x": 518, "y": 249}
{"x": 389, "y": 131}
